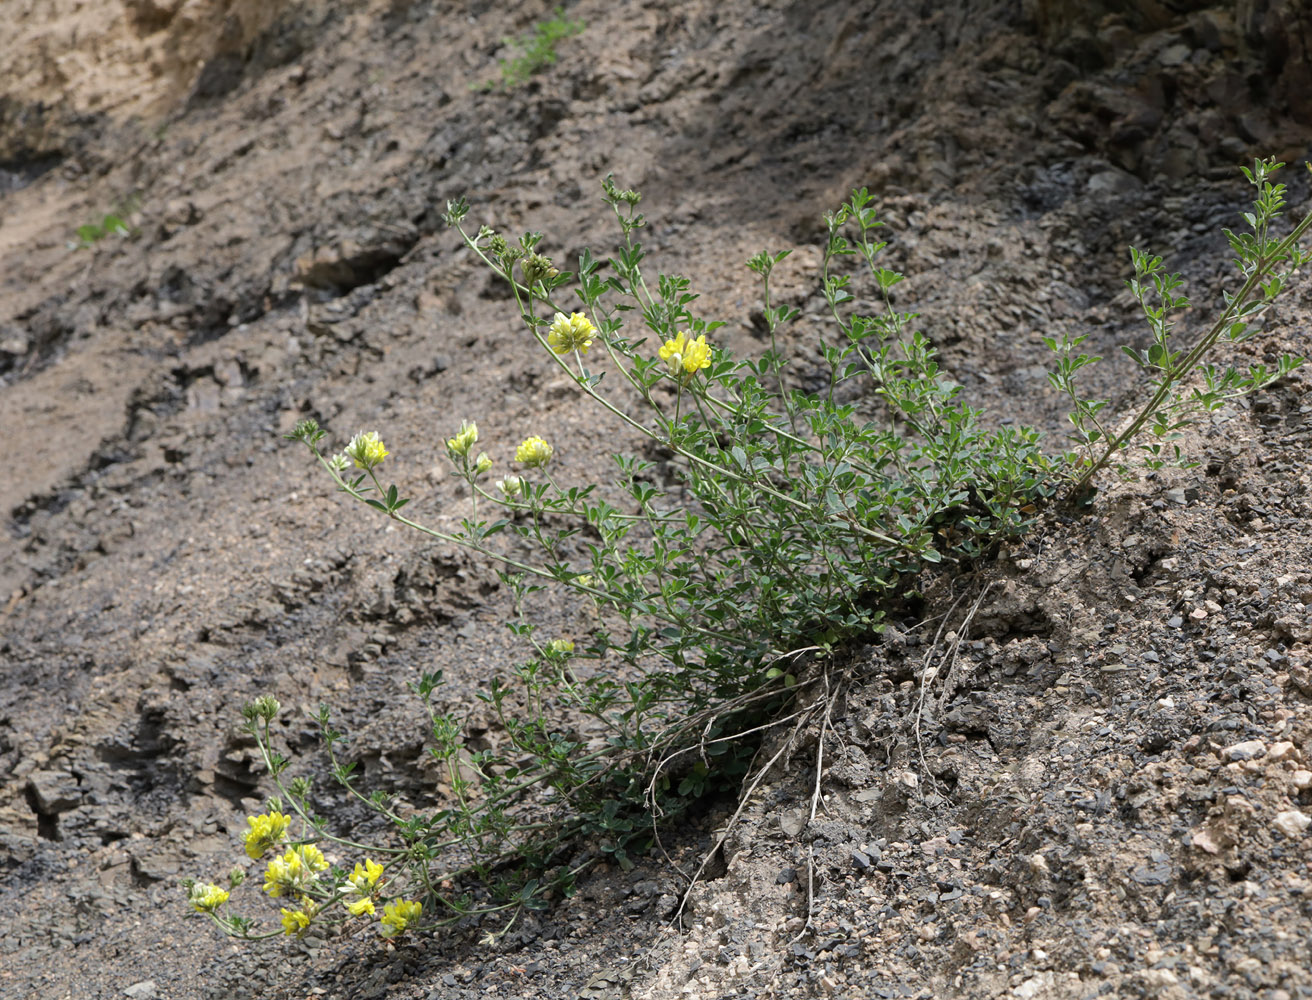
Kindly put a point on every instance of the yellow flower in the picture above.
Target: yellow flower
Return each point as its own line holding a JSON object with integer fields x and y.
{"x": 572, "y": 333}
{"x": 400, "y": 915}
{"x": 361, "y": 906}
{"x": 684, "y": 357}
{"x": 289, "y": 873}
{"x": 560, "y": 646}
{"x": 462, "y": 442}
{"x": 511, "y": 486}
{"x": 282, "y": 874}
{"x": 697, "y": 355}
{"x": 311, "y": 857}
{"x": 266, "y": 832}
{"x": 482, "y": 463}
{"x": 362, "y": 883}
{"x": 207, "y": 898}
{"x": 366, "y": 448}
{"x": 295, "y": 921}
{"x": 533, "y": 452}
{"x": 365, "y": 877}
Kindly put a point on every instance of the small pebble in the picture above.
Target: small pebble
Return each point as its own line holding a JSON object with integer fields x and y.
{"x": 1281, "y": 750}
{"x": 1248, "y": 750}
{"x": 1292, "y": 823}
{"x": 1034, "y": 986}
{"x": 1159, "y": 979}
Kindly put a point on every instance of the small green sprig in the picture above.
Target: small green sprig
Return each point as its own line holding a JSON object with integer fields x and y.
{"x": 113, "y": 223}
{"x": 535, "y": 51}
{"x": 1179, "y": 384}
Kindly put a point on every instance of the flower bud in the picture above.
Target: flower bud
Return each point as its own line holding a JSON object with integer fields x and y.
{"x": 462, "y": 442}
{"x": 207, "y": 898}
{"x": 266, "y": 707}
{"x": 537, "y": 268}
{"x": 306, "y": 430}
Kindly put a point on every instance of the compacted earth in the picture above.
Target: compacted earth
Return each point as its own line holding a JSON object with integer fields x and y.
{"x": 1080, "y": 768}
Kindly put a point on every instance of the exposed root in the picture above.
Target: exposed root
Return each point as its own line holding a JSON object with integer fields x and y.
{"x": 930, "y": 672}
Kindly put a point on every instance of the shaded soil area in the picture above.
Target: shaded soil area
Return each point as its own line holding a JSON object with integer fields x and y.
{"x": 1079, "y": 770}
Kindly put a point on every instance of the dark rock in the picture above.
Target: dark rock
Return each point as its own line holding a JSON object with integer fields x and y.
{"x": 1157, "y": 874}
{"x": 53, "y": 792}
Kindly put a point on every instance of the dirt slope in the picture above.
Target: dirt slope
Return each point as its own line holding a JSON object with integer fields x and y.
{"x": 1099, "y": 798}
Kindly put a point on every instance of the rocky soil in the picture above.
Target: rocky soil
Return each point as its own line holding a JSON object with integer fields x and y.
{"x": 1083, "y": 769}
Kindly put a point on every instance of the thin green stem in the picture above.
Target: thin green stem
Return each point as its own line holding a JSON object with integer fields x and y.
{"x": 263, "y": 745}
{"x": 1262, "y": 270}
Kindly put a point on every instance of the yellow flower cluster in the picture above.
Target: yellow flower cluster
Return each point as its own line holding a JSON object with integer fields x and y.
{"x": 208, "y": 897}
{"x": 685, "y": 357}
{"x": 533, "y": 452}
{"x": 363, "y": 882}
{"x": 462, "y": 442}
{"x": 571, "y": 333}
{"x": 295, "y": 921}
{"x": 366, "y": 448}
{"x": 365, "y": 877}
{"x": 290, "y": 873}
{"x": 266, "y": 832}
{"x": 560, "y": 646}
{"x": 398, "y": 916}
{"x": 295, "y": 873}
